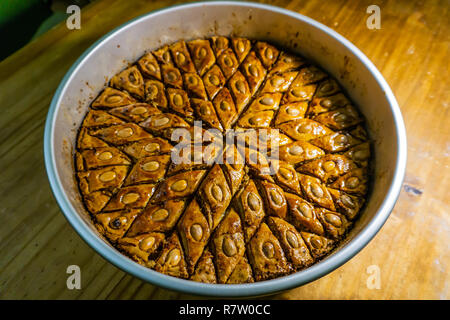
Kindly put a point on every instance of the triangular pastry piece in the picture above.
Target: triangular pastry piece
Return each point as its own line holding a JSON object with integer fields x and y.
{"x": 171, "y": 261}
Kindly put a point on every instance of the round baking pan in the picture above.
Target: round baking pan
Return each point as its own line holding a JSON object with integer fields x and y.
{"x": 362, "y": 81}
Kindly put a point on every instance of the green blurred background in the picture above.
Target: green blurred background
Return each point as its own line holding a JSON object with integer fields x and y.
{"x": 23, "y": 20}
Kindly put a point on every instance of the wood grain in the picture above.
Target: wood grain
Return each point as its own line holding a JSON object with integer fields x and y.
{"x": 412, "y": 52}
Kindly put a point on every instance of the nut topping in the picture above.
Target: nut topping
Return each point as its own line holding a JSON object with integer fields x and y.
{"x": 228, "y": 246}
{"x": 173, "y": 257}
{"x": 292, "y": 239}
{"x": 105, "y": 155}
{"x": 253, "y": 202}
{"x": 217, "y": 192}
{"x": 124, "y": 133}
{"x": 276, "y": 197}
{"x": 268, "y": 249}
{"x": 316, "y": 190}
{"x": 196, "y": 232}
{"x": 160, "y": 215}
{"x": 152, "y": 147}
{"x": 107, "y": 176}
{"x": 150, "y": 166}
{"x": 147, "y": 243}
{"x": 179, "y": 185}
{"x": 333, "y": 219}
{"x": 130, "y": 197}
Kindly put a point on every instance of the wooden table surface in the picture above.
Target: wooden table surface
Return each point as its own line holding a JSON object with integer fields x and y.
{"x": 411, "y": 251}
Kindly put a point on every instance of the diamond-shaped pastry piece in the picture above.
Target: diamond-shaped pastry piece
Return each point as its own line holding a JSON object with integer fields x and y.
{"x": 148, "y": 170}
{"x": 299, "y": 93}
{"x": 101, "y": 157}
{"x": 154, "y": 93}
{"x": 205, "y": 270}
{"x": 292, "y": 242}
{"x": 163, "y": 55}
{"x": 130, "y": 80}
{"x": 228, "y": 63}
{"x": 256, "y": 119}
{"x": 350, "y": 205}
{"x": 254, "y": 71}
{"x": 214, "y": 80}
{"x": 258, "y": 163}
{"x": 267, "y": 53}
{"x": 335, "y": 142}
{"x": 324, "y": 104}
{"x": 241, "y": 47}
{"x": 336, "y": 224}
{"x": 148, "y": 147}
{"x": 228, "y": 245}
{"x": 135, "y": 112}
{"x": 131, "y": 197}
{"x": 327, "y": 88}
{"x": 107, "y": 178}
{"x": 303, "y": 215}
{"x": 316, "y": 192}
{"x": 274, "y": 196}
{"x": 249, "y": 205}
{"x": 96, "y": 118}
{"x": 225, "y": 108}
{"x": 286, "y": 177}
{"x": 328, "y": 168}
{"x": 202, "y": 55}
{"x": 304, "y": 129}
{"x": 179, "y": 102}
{"x": 240, "y": 90}
{"x": 96, "y": 201}
{"x": 143, "y": 247}
{"x": 111, "y": 98}
{"x": 192, "y": 157}
{"x": 266, "y": 255}
{"x": 287, "y": 62}
{"x": 171, "y": 76}
{"x": 279, "y": 82}
{"x": 157, "y": 218}
{"x": 219, "y": 45}
{"x": 194, "y": 232}
{"x": 115, "y": 224}
{"x": 86, "y": 141}
{"x": 171, "y": 261}
{"x": 182, "y": 57}
{"x": 299, "y": 151}
{"x": 159, "y": 123}
{"x": 233, "y": 167}
{"x": 318, "y": 246}
{"x": 266, "y": 101}
{"x": 360, "y": 154}
{"x": 121, "y": 134}
{"x": 353, "y": 182}
{"x": 339, "y": 119}
{"x": 149, "y": 67}
{"x": 194, "y": 85}
{"x": 310, "y": 74}
{"x": 242, "y": 273}
{"x": 178, "y": 186}
{"x": 214, "y": 195}
{"x": 206, "y": 112}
